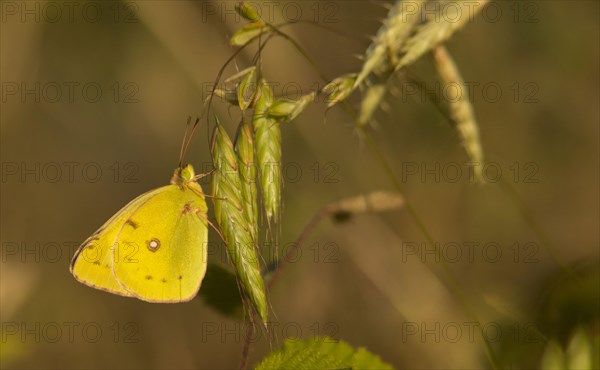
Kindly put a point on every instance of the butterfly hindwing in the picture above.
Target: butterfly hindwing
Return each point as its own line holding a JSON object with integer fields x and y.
{"x": 160, "y": 251}
{"x": 93, "y": 262}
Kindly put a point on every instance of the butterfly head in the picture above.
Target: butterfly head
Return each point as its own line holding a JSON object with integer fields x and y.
{"x": 183, "y": 175}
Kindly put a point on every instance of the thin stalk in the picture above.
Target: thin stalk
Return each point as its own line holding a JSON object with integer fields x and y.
{"x": 246, "y": 349}
{"x": 451, "y": 280}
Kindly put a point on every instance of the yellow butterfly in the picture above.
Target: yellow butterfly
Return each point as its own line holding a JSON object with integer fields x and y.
{"x": 154, "y": 248}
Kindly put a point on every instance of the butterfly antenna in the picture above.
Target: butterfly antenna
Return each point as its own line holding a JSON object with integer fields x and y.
{"x": 187, "y": 139}
{"x": 187, "y": 129}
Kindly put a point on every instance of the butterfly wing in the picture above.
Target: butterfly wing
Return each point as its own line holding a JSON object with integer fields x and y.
{"x": 92, "y": 264}
{"x": 161, "y": 250}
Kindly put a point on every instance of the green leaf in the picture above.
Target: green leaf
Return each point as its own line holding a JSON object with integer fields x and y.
{"x": 553, "y": 357}
{"x": 321, "y": 353}
{"x": 580, "y": 351}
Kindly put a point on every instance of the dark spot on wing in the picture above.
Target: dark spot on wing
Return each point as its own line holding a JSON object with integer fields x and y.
{"x": 96, "y": 263}
{"x": 148, "y": 277}
{"x": 164, "y": 280}
{"x": 153, "y": 244}
{"x": 186, "y": 208}
{"x": 180, "y": 277}
{"x": 132, "y": 223}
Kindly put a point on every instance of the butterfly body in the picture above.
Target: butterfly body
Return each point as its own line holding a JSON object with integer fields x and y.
{"x": 154, "y": 248}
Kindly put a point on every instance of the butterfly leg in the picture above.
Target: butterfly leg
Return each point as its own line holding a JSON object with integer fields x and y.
{"x": 203, "y": 175}
{"x": 199, "y": 193}
{"x": 203, "y": 216}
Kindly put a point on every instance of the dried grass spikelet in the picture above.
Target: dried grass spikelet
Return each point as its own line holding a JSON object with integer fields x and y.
{"x": 373, "y": 95}
{"x": 229, "y": 212}
{"x": 388, "y": 42}
{"x": 381, "y": 56}
{"x": 438, "y": 28}
{"x": 461, "y": 110}
{"x": 379, "y": 60}
{"x": 404, "y": 37}
{"x": 339, "y": 89}
{"x": 377, "y": 201}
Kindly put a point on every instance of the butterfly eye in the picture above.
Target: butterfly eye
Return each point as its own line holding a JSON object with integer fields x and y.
{"x": 188, "y": 173}
{"x": 153, "y": 245}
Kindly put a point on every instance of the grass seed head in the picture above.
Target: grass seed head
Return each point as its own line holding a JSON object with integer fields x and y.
{"x": 229, "y": 211}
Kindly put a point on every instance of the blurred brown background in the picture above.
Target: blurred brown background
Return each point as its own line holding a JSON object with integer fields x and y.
{"x": 94, "y": 102}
